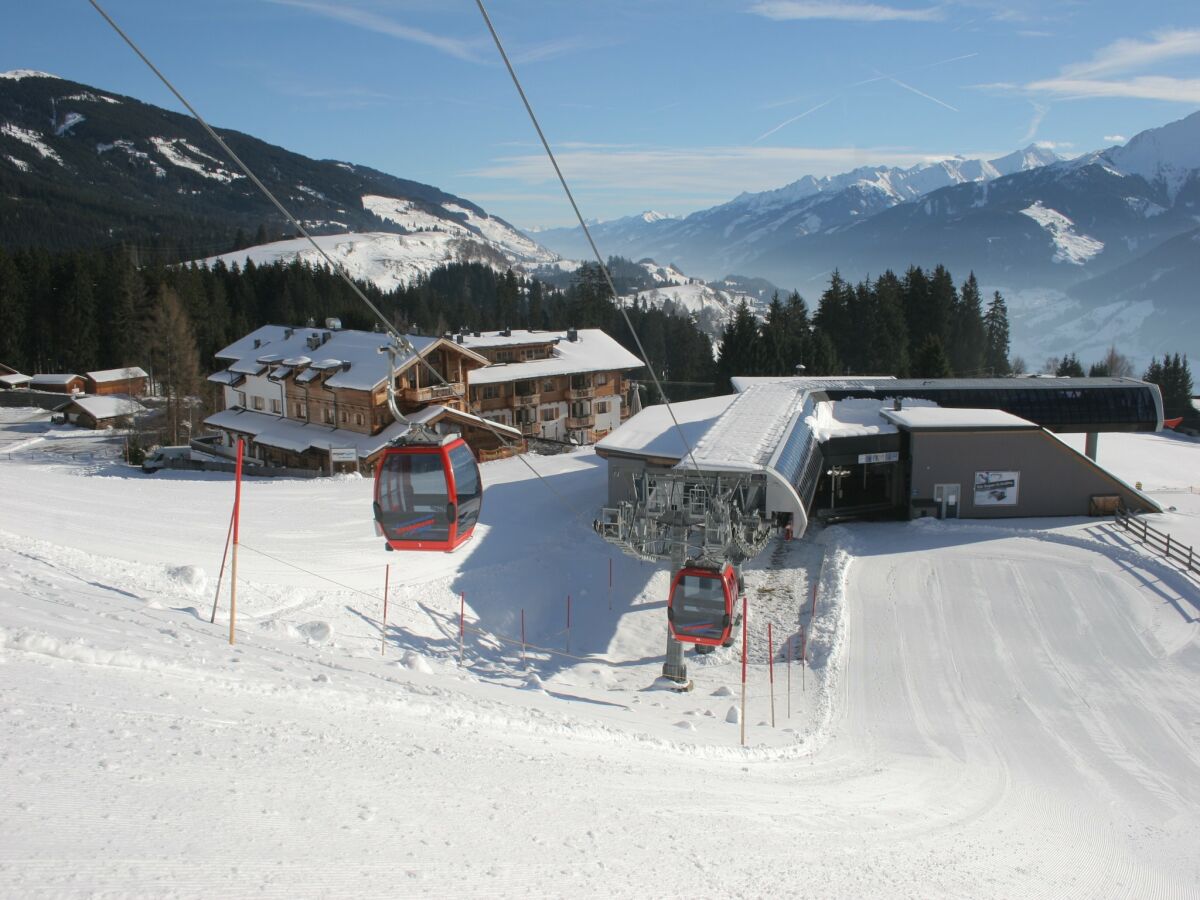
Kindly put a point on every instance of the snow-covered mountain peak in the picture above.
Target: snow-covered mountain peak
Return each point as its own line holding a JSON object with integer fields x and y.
{"x": 652, "y": 215}
{"x": 18, "y": 74}
{"x": 1170, "y": 153}
{"x": 1032, "y": 157}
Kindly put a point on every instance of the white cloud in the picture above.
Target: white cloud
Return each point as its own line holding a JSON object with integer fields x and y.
{"x": 1039, "y": 113}
{"x": 1128, "y": 55}
{"x": 1116, "y": 138}
{"x": 852, "y": 12}
{"x": 1144, "y": 87}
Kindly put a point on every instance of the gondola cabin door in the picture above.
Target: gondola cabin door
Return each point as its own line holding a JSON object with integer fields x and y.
{"x": 428, "y": 496}
{"x": 701, "y": 608}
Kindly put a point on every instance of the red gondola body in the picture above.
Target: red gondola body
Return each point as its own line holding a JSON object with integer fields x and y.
{"x": 702, "y": 606}
{"x": 428, "y": 496}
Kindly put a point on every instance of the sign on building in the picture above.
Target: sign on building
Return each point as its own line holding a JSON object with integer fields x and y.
{"x": 892, "y": 456}
{"x": 343, "y": 454}
{"x": 996, "y": 488}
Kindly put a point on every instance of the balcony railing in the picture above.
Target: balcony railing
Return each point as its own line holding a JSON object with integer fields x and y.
{"x": 435, "y": 392}
{"x": 579, "y": 421}
{"x": 528, "y": 399}
{"x": 580, "y": 393}
{"x": 529, "y": 428}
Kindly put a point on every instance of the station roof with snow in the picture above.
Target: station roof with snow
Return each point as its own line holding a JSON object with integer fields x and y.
{"x": 109, "y": 375}
{"x": 936, "y": 418}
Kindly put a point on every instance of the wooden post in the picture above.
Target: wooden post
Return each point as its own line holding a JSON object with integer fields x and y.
{"x": 237, "y": 520}
{"x": 745, "y": 638}
{"x": 387, "y": 574}
{"x": 462, "y": 624}
{"x": 1168, "y": 545}
{"x": 228, "y": 534}
{"x": 771, "y": 669}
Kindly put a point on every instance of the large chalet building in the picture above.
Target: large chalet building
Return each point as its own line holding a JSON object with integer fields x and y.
{"x": 317, "y": 397}
{"x": 560, "y": 385}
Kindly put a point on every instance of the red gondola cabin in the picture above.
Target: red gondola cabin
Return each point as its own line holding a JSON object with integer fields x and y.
{"x": 701, "y": 606}
{"x": 428, "y": 496}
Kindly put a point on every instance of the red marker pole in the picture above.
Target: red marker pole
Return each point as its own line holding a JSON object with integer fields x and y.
{"x": 387, "y": 574}
{"x": 237, "y": 519}
{"x": 462, "y": 624}
{"x": 745, "y": 641}
{"x": 771, "y": 669}
{"x": 791, "y": 640}
{"x": 803, "y": 656}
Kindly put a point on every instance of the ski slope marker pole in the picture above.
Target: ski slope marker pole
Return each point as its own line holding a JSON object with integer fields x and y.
{"x": 745, "y": 638}
{"x": 462, "y": 624}
{"x": 568, "y": 623}
{"x": 237, "y": 521}
{"x": 771, "y": 669}
{"x": 221, "y": 574}
{"x": 803, "y": 656}
{"x": 791, "y": 640}
{"x": 387, "y": 574}
{"x": 812, "y": 615}
{"x": 522, "y": 637}
{"x": 610, "y": 585}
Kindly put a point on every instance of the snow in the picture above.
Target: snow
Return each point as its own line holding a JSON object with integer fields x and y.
{"x": 90, "y": 97}
{"x": 108, "y": 406}
{"x": 33, "y": 139}
{"x": 1070, "y": 247}
{"x": 106, "y": 375}
{"x": 988, "y": 711}
{"x": 652, "y": 432}
{"x": 55, "y": 378}
{"x": 594, "y": 351}
{"x": 854, "y": 417}
{"x": 930, "y": 418}
{"x": 14, "y": 380}
{"x": 70, "y": 120}
{"x": 19, "y": 163}
{"x": 18, "y": 74}
{"x": 173, "y": 150}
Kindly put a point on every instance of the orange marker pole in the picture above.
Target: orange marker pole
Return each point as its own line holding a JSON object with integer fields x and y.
{"x": 745, "y": 641}
{"x": 237, "y": 518}
{"x": 462, "y": 624}
{"x": 387, "y": 574}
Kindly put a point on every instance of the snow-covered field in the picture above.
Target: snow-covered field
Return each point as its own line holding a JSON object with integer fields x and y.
{"x": 990, "y": 710}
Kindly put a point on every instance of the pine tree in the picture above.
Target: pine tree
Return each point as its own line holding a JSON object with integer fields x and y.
{"x": 995, "y": 329}
{"x": 176, "y": 360}
{"x": 931, "y": 360}
{"x": 1069, "y": 367}
{"x": 739, "y": 348}
{"x": 968, "y": 346}
{"x": 887, "y": 333}
{"x": 13, "y": 315}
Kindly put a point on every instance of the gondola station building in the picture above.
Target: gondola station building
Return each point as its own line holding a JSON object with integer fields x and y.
{"x": 879, "y": 447}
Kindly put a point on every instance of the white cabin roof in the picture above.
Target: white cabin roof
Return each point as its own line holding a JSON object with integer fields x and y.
{"x": 593, "y": 351}
{"x": 108, "y": 375}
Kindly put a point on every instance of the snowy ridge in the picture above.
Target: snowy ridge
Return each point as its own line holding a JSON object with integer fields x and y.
{"x": 1070, "y": 247}
{"x": 176, "y": 151}
{"x": 32, "y": 139}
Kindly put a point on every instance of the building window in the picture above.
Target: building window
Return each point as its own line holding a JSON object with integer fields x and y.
{"x": 601, "y": 378}
{"x": 549, "y": 414}
{"x": 358, "y": 418}
{"x": 602, "y": 406}
{"x": 548, "y": 385}
{"x": 345, "y": 417}
{"x": 258, "y": 402}
{"x": 490, "y": 391}
{"x": 526, "y": 388}
{"x": 301, "y": 410}
{"x": 504, "y": 356}
{"x": 327, "y": 415}
{"x": 275, "y": 407}
{"x": 241, "y": 398}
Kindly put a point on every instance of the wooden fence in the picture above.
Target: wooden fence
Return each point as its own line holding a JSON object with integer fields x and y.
{"x": 1159, "y": 540}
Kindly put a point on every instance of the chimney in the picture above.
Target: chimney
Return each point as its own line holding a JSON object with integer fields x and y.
{"x": 459, "y": 337}
{"x": 507, "y": 332}
{"x": 325, "y": 335}
{"x": 346, "y": 366}
{"x": 311, "y": 323}
{"x": 288, "y": 332}
{"x": 897, "y": 404}
{"x": 257, "y": 343}
{"x": 572, "y": 335}
{"x": 333, "y": 324}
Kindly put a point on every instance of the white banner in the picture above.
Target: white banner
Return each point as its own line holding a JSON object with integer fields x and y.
{"x": 996, "y": 488}
{"x": 343, "y": 454}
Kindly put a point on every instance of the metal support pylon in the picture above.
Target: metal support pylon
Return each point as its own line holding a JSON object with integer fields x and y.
{"x": 674, "y": 668}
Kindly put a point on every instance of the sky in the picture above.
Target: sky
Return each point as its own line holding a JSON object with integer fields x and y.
{"x": 670, "y": 105}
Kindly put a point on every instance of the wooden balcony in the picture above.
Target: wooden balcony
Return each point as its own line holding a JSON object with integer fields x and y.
{"x": 574, "y": 422}
{"x": 527, "y": 399}
{"x": 582, "y": 393}
{"x": 432, "y": 394}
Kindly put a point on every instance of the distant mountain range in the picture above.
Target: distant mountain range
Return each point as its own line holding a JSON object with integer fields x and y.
{"x": 1089, "y": 250}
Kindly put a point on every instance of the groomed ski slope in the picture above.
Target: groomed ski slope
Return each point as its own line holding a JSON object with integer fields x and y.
{"x": 994, "y": 710}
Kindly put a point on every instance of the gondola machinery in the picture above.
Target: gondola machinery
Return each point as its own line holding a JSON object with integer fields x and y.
{"x": 428, "y": 492}
{"x": 702, "y": 606}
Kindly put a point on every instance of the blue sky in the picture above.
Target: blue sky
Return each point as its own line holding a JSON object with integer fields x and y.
{"x": 672, "y": 105}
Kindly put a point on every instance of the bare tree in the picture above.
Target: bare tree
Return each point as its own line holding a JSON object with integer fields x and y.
{"x": 176, "y": 359}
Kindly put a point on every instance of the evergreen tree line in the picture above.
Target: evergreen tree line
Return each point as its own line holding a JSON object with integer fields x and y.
{"x": 88, "y": 310}
{"x": 1174, "y": 378}
{"x": 918, "y": 326}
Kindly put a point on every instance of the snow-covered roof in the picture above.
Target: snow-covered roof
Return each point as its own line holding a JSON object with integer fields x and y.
{"x": 14, "y": 379}
{"x": 652, "y": 433}
{"x": 810, "y": 382}
{"x": 108, "y": 406}
{"x": 107, "y": 375}
{"x": 368, "y": 367}
{"x": 487, "y": 340}
{"x": 59, "y": 378}
{"x": 930, "y": 418}
{"x": 854, "y": 417}
{"x": 296, "y": 436}
{"x": 594, "y": 351}
{"x": 226, "y": 377}
{"x": 748, "y": 433}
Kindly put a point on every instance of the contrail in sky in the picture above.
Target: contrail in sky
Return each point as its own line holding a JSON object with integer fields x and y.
{"x": 909, "y": 87}
{"x": 767, "y": 134}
